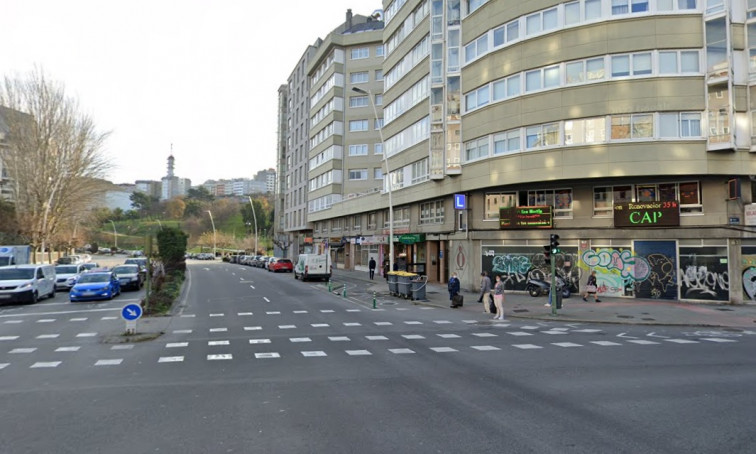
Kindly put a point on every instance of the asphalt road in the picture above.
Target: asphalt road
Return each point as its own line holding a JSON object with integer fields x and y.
{"x": 259, "y": 362}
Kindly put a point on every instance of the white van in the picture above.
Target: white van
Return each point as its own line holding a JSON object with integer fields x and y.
{"x": 26, "y": 283}
{"x": 313, "y": 266}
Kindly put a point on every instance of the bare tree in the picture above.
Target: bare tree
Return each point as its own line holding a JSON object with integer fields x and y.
{"x": 54, "y": 158}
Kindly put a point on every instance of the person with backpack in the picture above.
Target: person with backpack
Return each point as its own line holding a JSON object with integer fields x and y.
{"x": 453, "y": 286}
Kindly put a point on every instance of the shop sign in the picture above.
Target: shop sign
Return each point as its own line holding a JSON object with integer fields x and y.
{"x": 750, "y": 214}
{"x": 535, "y": 217}
{"x": 647, "y": 214}
{"x": 411, "y": 238}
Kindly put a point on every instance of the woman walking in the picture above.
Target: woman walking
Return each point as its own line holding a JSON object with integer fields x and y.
{"x": 591, "y": 288}
{"x": 499, "y": 298}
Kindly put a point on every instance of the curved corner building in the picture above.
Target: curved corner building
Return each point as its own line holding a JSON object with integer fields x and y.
{"x": 625, "y": 127}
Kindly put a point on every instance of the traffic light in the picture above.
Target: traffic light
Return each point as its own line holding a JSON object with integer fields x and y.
{"x": 547, "y": 252}
{"x": 554, "y": 243}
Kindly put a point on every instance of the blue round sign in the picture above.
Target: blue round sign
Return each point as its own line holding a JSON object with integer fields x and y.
{"x": 131, "y": 312}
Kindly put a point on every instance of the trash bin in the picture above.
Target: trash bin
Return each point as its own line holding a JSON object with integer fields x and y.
{"x": 418, "y": 288}
{"x": 405, "y": 283}
{"x": 393, "y": 281}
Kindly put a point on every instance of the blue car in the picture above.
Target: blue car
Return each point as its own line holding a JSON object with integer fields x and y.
{"x": 95, "y": 285}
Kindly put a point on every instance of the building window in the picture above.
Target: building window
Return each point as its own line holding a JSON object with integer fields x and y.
{"x": 589, "y": 130}
{"x": 378, "y": 74}
{"x": 358, "y": 101}
{"x": 358, "y": 174}
{"x": 378, "y": 148}
{"x": 632, "y": 126}
{"x": 378, "y": 123}
{"x": 359, "y": 77}
{"x": 378, "y": 173}
{"x": 507, "y": 142}
{"x": 372, "y": 223}
{"x": 379, "y": 51}
{"x": 360, "y": 53}
{"x": 688, "y": 194}
{"x": 358, "y": 125}
{"x": 419, "y": 171}
{"x": 476, "y": 149}
{"x": 356, "y": 221}
{"x": 358, "y": 150}
{"x": 542, "y": 135}
{"x": 379, "y": 100}
{"x": 560, "y": 199}
{"x": 495, "y": 201}
{"x": 432, "y": 212}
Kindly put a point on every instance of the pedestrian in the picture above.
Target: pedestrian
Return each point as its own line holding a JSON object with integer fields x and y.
{"x": 385, "y": 268}
{"x": 371, "y": 267}
{"x": 485, "y": 292}
{"x": 591, "y": 288}
{"x": 453, "y": 287}
{"x": 499, "y": 298}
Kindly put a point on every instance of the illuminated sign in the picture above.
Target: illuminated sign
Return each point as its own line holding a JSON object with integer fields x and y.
{"x": 647, "y": 214}
{"x": 536, "y": 217}
{"x": 460, "y": 203}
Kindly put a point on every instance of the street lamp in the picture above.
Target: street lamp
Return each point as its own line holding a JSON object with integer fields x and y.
{"x": 115, "y": 236}
{"x": 388, "y": 175}
{"x": 214, "y": 237}
{"x": 255, "y": 217}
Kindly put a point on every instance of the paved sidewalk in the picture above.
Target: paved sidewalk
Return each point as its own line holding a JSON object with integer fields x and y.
{"x": 611, "y": 310}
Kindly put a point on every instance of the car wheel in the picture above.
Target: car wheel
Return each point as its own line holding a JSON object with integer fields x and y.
{"x": 34, "y": 298}
{"x": 51, "y": 294}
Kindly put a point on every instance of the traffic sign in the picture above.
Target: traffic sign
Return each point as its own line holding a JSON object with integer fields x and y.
{"x": 131, "y": 312}
{"x": 460, "y": 202}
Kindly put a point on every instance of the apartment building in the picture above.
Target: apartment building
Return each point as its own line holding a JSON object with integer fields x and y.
{"x": 626, "y": 127}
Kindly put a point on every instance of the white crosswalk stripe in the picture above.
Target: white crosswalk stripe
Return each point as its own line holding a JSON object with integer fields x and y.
{"x": 606, "y": 343}
{"x": 108, "y": 362}
{"x": 259, "y": 341}
{"x": 682, "y": 341}
{"x": 176, "y": 344}
{"x": 45, "y": 364}
{"x": 122, "y": 347}
{"x": 566, "y": 344}
{"x": 527, "y": 346}
{"x": 68, "y": 349}
{"x": 484, "y": 348}
{"x": 23, "y": 350}
{"x": 339, "y": 338}
{"x": 373, "y": 338}
{"x": 642, "y": 342}
{"x": 449, "y": 336}
{"x": 48, "y": 336}
{"x": 358, "y": 353}
{"x": 412, "y": 336}
{"x": 716, "y": 339}
{"x": 4, "y": 365}
{"x": 401, "y": 351}
{"x": 300, "y": 339}
{"x": 217, "y": 343}
{"x": 267, "y": 355}
{"x": 171, "y": 359}
{"x": 314, "y": 353}
{"x": 8, "y": 338}
{"x": 444, "y": 349}
{"x": 225, "y": 356}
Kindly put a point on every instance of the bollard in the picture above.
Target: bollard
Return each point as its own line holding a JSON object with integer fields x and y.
{"x": 330, "y": 286}
{"x": 343, "y": 292}
{"x": 373, "y": 300}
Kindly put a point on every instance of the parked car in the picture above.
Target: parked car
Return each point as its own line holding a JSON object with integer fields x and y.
{"x": 69, "y": 260}
{"x": 26, "y": 283}
{"x": 95, "y": 285}
{"x": 284, "y": 265}
{"x": 89, "y": 266}
{"x": 260, "y": 261}
{"x": 66, "y": 275}
{"x": 130, "y": 276}
{"x": 313, "y": 266}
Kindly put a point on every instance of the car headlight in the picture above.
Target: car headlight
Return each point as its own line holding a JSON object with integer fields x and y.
{"x": 25, "y": 285}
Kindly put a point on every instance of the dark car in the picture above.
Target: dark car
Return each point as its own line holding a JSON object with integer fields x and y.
{"x": 142, "y": 262}
{"x": 130, "y": 276}
{"x": 276, "y": 265}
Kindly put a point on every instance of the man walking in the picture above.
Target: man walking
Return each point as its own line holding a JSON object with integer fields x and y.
{"x": 371, "y": 267}
{"x": 485, "y": 292}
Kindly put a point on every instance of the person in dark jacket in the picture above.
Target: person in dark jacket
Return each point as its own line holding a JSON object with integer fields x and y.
{"x": 371, "y": 267}
{"x": 386, "y": 268}
{"x": 453, "y": 287}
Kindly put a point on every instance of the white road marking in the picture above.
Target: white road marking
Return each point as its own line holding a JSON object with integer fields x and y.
{"x": 252, "y": 287}
{"x": 376, "y": 338}
{"x": 566, "y": 344}
{"x": 531, "y": 327}
{"x": 108, "y": 362}
{"x": 217, "y": 315}
{"x": 413, "y": 322}
{"x": 170, "y": 359}
{"x": 109, "y": 318}
{"x": 218, "y": 330}
{"x": 606, "y": 343}
{"x": 68, "y": 349}
{"x": 23, "y": 350}
{"x": 287, "y": 326}
{"x": 8, "y": 338}
{"x": 182, "y": 331}
{"x": 526, "y": 346}
{"x": 441, "y": 322}
{"x": 259, "y": 341}
{"x": 78, "y": 319}
{"x": 266, "y": 299}
{"x": 354, "y": 310}
{"x": 320, "y": 325}
{"x": 653, "y": 334}
{"x": 219, "y": 357}
{"x": 485, "y": 348}
{"x": 176, "y": 344}
{"x": 300, "y": 339}
{"x": 13, "y": 321}
{"x": 188, "y": 315}
{"x": 716, "y": 339}
{"x": 300, "y": 312}
{"x": 241, "y": 314}
{"x": 216, "y": 343}
{"x": 401, "y": 351}
{"x": 449, "y": 336}
{"x": 327, "y": 311}
{"x": 443, "y": 349}
{"x": 358, "y": 353}
{"x": 4, "y": 365}
{"x": 315, "y": 353}
{"x": 45, "y": 364}
{"x": 681, "y": 341}
{"x": 48, "y": 336}
{"x": 338, "y": 338}
{"x": 412, "y": 336}
{"x": 586, "y": 331}
{"x": 267, "y": 355}
{"x": 378, "y": 310}
{"x": 122, "y": 347}
{"x": 383, "y": 323}
{"x": 485, "y": 335}
{"x": 643, "y": 342}
{"x": 554, "y": 332}
{"x": 402, "y": 308}
{"x": 625, "y": 336}
{"x": 520, "y": 333}
{"x": 252, "y": 328}
{"x": 46, "y": 320}
{"x": 86, "y": 335}
{"x": 273, "y": 313}
{"x": 352, "y": 324}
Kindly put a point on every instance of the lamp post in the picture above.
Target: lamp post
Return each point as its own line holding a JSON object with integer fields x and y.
{"x": 388, "y": 176}
{"x": 214, "y": 237}
{"x": 115, "y": 236}
{"x": 255, "y": 218}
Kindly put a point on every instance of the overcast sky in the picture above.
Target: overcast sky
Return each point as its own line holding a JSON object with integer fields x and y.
{"x": 202, "y": 75}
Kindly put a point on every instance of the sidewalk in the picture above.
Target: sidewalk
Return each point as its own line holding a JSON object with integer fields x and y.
{"x": 630, "y": 311}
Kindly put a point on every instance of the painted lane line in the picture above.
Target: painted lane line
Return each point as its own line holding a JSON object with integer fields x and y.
{"x": 402, "y": 308}
{"x": 267, "y": 355}
{"x": 122, "y": 347}
{"x": 401, "y": 351}
{"x": 78, "y": 319}
{"x": 653, "y": 334}
{"x": 216, "y": 343}
{"x": 449, "y": 336}
{"x": 32, "y": 314}
{"x": 259, "y": 341}
{"x": 526, "y": 346}
{"x": 182, "y": 331}
{"x": 68, "y": 349}
{"x": 443, "y": 349}
{"x": 354, "y": 310}
{"x": 218, "y": 330}
{"x": 252, "y": 328}
{"x": 469, "y": 322}
{"x": 378, "y": 310}
{"x": 352, "y": 324}
{"x": 300, "y": 312}
{"x": 86, "y": 335}
{"x": 606, "y": 343}
{"x": 625, "y": 336}
{"x": 266, "y": 299}
{"x": 176, "y": 344}
{"x": 681, "y": 341}
{"x": 559, "y": 329}
{"x": 13, "y": 321}
{"x": 252, "y": 287}
{"x": 484, "y": 348}
{"x": 273, "y": 313}
{"x": 188, "y": 315}
{"x": 217, "y": 315}
{"x": 4, "y": 365}
{"x": 170, "y": 359}
{"x": 339, "y": 338}
{"x": 376, "y": 338}
{"x": 320, "y": 325}
{"x": 287, "y": 326}
{"x": 219, "y": 357}
{"x": 426, "y": 308}
{"x": 585, "y": 330}
{"x": 300, "y": 339}
{"x": 108, "y": 362}
{"x": 413, "y": 322}
{"x": 412, "y": 336}
{"x": 327, "y": 311}
{"x": 46, "y": 320}
{"x": 48, "y": 336}
{"x": 441, "y": 322}
{"x": 314, "y": 353}
{"x": 109, "y": 318}
{"x": 643, "y": 342}
{"x": 520, "y": 333}
{"x": 8, "y": 338}
{"x": 530, "y": 327}
{"x": 358, "y": 353}
{"x": 485, "y": 335}
{"x": 383, "y": 323}
{"x": 242, "y": 314}
{"x": 716, "y": 339}
{"x": 554, "y": 332}
{"x": 23, "y": 350}
{"x": 45, "y": 364}
{"x": 566, "y": 344}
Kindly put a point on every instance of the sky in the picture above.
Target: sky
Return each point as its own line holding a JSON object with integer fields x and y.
{"x": 202, "y": 75}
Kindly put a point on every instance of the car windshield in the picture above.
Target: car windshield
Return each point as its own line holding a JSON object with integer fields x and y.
{"x": 141, "y": 262}
{"x": 283, "y": 261}
{"x": 93, "y": 277}
{"x": 66, "y": 269}
{"x": 89, "y": 266}
{"x": 16, "y": 273}
{"x": 132, "y": 269}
